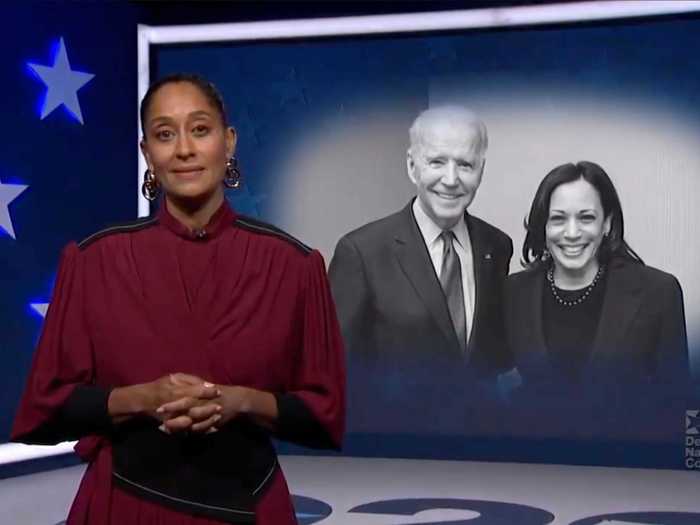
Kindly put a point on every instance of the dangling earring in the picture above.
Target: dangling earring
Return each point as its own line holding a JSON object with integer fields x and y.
{"x": 149, "y": 188}
{"x": 232, "y": 179}
{"x": 546, "y": 255}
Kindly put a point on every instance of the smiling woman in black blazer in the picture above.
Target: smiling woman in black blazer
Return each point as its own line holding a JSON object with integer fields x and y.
{"x": 598, "y": 338}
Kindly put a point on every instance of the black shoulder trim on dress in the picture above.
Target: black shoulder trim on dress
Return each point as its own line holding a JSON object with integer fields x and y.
{"x": 268, "y": 229}
{"x": 123, "y": 227}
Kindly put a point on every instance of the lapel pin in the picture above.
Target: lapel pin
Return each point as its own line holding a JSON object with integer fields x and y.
{"x": 487, "y": 256}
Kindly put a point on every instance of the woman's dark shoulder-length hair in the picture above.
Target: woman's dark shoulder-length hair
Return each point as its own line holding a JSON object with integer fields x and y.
{"x": 613, "y": 245}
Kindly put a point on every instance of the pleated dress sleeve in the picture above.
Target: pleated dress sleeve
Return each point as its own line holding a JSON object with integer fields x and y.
{"x": 312, "y": 410}
{"x": 60, "y": 401}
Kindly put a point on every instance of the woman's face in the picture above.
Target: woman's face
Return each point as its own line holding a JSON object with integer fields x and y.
{"x": 575, "y": 228}
{"x": 186, "y": 143}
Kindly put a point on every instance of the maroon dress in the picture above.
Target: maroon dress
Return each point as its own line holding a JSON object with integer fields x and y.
{"x": 237, "y": 303}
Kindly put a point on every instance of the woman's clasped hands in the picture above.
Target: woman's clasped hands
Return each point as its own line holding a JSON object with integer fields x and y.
{"x": 196, "y": 405}
{"x": 187, "y": 403}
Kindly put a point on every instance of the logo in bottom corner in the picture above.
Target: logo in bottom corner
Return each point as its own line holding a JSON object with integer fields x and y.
{"x": 692, "y": 439}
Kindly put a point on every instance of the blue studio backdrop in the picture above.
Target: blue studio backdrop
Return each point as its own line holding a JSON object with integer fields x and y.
{"x": 69, "y": 162}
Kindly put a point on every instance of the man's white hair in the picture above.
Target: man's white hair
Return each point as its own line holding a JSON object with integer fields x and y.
{"x": 449, "y": 113}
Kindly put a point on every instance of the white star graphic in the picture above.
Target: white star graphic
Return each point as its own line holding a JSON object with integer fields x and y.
{"x": 62, "y": 84}
{"x": 8, "y": 193}
{"x": 40, "y": 308}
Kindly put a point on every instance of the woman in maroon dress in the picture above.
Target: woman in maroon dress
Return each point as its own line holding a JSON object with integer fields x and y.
{"x": 177, "y": 345}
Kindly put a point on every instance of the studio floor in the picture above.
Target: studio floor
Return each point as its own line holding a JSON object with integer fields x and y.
{"x": 370, "y": 491}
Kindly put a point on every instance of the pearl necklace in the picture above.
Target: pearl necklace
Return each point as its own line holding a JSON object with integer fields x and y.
{"x": 582, "y": 297}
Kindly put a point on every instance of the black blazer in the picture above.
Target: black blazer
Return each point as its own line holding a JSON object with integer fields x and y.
{"x": 639, "y": 360}
{"x": 395, "y": 319}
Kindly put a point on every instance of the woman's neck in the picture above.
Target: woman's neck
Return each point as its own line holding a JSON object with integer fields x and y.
{"x": 567, "y": 279}
{"x": 194, "y": 215}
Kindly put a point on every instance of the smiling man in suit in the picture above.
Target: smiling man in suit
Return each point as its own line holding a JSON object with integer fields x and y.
{"x": 419, "y": 293}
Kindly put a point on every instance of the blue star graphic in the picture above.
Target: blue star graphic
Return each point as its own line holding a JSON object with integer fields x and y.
{"x": 40, "y": 308}
{"x": 62, "y": 84}
{"x": 8, "y": 193}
